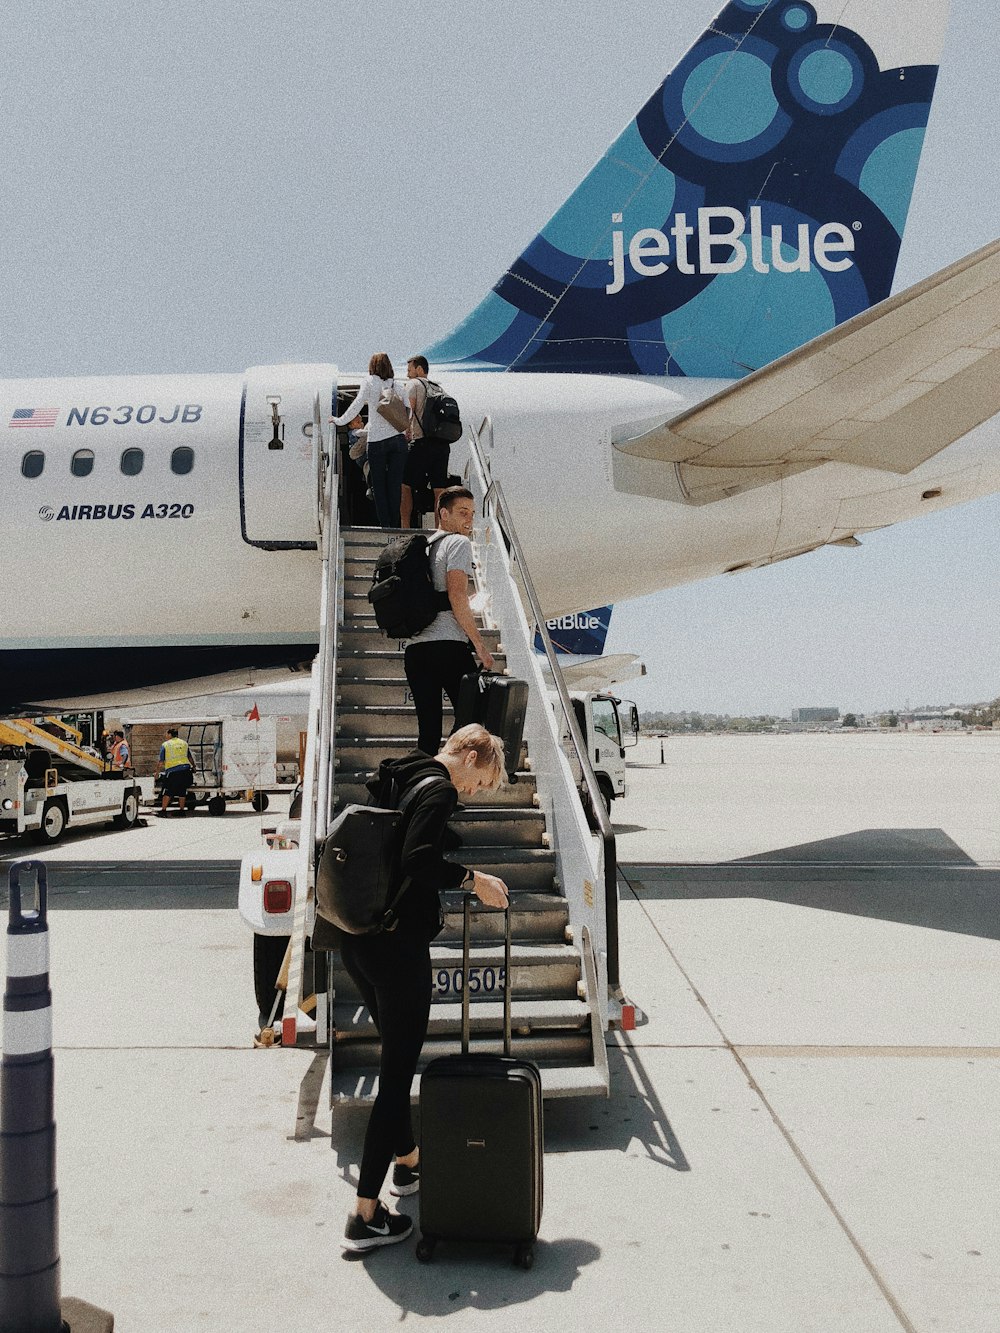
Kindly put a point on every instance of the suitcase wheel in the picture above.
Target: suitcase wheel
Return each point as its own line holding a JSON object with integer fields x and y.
{"x": 524, "y": 1256}
{"x": 425, "y": 1249}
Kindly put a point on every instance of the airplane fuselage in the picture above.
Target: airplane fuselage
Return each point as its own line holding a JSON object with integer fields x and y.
{"x": 154, "y": 535}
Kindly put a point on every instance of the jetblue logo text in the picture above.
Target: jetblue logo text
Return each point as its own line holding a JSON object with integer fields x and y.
{"x": 575, "y": 621}
{"x": 127, "y": 414}
{"x": 716, "y": 244}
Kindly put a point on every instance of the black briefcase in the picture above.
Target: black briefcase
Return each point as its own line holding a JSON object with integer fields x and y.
{"x": 499, "y": 703}
{"x": 481, "y": 1140}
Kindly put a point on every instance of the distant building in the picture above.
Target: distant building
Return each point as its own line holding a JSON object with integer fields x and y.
{"x": 815, "y": 714}
{"x": 932, "y": 722}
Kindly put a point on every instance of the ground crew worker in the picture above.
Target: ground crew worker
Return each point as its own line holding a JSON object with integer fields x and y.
{"x": 176, "y": 769}
{"x": 119, "y": 750}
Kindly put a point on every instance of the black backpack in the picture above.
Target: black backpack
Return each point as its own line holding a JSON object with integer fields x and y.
{"x": 440, "y": 419}
{"x": 358, "y": 887}
{"x": 402, "y": 594}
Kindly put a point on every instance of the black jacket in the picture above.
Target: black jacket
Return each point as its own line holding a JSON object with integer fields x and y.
{"x": 424, "y": 823}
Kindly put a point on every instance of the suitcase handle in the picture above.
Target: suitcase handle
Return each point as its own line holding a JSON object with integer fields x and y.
{"x": 469, "y": 899}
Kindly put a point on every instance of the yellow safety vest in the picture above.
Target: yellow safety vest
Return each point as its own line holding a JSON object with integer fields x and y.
{"x": 175, "y": 752}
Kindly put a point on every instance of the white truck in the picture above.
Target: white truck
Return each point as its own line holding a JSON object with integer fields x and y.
{"x": 49, "y": 783}
{"x": 609, "y": 726}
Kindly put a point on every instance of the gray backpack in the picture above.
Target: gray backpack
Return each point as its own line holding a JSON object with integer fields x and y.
{"x": 358, "y": 886}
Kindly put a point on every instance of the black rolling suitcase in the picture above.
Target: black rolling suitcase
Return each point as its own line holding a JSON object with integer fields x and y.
{"x": 481, "y": 1140}
{"x": 499, "y": 703}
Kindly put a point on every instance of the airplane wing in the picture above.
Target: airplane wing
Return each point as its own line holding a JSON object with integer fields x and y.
{"x": 600, "y": 673}
{"x": 888, "y": 389}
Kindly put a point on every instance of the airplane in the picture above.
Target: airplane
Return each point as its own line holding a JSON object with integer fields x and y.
{"x": 578, "y": 641}
{"x": 695, "y": 367}
{"x": 579, "y": 634}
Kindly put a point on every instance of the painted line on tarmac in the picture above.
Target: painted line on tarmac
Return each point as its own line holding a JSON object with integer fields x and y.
{"x": 886, "y": 1291}
{"x": 650, "y": 871}
{"x": 863, "y": 1052}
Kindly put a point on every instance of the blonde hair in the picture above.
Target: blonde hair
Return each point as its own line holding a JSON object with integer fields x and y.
{"x": 488, "y": 750}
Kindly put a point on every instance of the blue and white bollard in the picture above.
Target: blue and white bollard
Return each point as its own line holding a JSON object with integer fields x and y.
{"x": 29, "y": 1201}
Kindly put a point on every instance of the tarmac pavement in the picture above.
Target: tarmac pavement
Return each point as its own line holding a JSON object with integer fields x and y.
{"x": 799, "y": 1137}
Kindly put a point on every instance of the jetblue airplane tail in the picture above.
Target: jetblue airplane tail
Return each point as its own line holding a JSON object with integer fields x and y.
{"x": 757, "y": 200}
{"x": 582, "y": 634}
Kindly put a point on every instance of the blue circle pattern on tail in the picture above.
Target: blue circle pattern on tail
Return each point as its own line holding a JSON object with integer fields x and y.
{"x": 695, "y": 246}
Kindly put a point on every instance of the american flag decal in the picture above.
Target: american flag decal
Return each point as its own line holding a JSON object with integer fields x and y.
{"x": 34, "y": 416}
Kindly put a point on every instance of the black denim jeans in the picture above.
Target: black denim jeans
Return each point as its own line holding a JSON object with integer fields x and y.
{"x": 431, "y": 668}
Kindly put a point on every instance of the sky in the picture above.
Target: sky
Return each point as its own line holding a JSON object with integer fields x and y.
{"x": 209, "y": 186}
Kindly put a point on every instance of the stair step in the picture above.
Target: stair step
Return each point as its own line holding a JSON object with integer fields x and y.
{"x": 540, "y": 972}
{"x": 357, "y": 585}
{"x": 520, "y": 868}
{"x": 534, "y": 916}
{"x": 498, "y": 826}
{"x": 360, "y": 1086}
{"x": 375, "y": 692}
{"x": 540, "y": 918}
{"x": 359, "y": 535}
{"x": 369, "y": 638}
{"x": 382, "y": 719}
{"x": 520, "y": 795}
{"x": 555, "y": 1046}
{"x": 360, "y": 614}
{"x": 354, "y": 1024}
{"x": 367, "y": 752}
{"x": 382, "y": 662}
{"x": 356, "y": 566}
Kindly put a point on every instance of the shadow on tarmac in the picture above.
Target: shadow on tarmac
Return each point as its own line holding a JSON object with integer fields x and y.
{"x": 915, "y": 877}
{"x": 472, "y": 1276}
{"x": 632, "y": 1120}
{"x": 462, "y": 1277}
{"x": 133, "y": 885}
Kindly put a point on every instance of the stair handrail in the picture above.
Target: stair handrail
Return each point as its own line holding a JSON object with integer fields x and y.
{"x": 495, "y": 499}
{"x": 317, "y": 779}
{"x": 330, "y": 547}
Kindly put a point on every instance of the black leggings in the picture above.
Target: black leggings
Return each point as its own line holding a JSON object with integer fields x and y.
{"x": 393, "y": 974}
{"x": 431, "y": 668}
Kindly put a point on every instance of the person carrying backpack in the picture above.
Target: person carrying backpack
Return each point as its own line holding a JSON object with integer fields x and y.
{"x": 382, "y": 395}
{"x": 427, "y": 457}
{"x": 392, "y": 969}
{"x": 439, "y": 656}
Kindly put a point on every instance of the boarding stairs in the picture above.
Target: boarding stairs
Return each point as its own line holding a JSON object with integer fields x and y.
{"x": 535, "y": 833}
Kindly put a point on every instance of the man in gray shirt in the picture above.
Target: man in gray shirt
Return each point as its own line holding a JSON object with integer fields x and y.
{"x": 439, "y": 656}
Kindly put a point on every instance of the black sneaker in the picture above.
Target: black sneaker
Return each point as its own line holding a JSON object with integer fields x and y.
{"x": 405, "y": 1179}
{"x": 385, "y": 1228}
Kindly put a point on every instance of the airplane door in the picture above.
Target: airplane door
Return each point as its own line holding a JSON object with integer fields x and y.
{"x": 282, "y": 420}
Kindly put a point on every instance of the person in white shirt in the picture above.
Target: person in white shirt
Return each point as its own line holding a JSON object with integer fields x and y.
{"x": 427, "y": 459}
{"x": 439, "y": 656}
{"x": 386, "y": 444}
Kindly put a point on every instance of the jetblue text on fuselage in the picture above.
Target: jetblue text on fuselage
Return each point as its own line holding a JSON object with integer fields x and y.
{"x": 715, "y": 244}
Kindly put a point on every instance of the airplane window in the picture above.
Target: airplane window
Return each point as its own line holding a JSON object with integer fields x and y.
{"x": 32, "y": 463}
{"x": 182, "y": 461}
{"x": 131, "y": 463}
{"x": 82, "y": 463}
